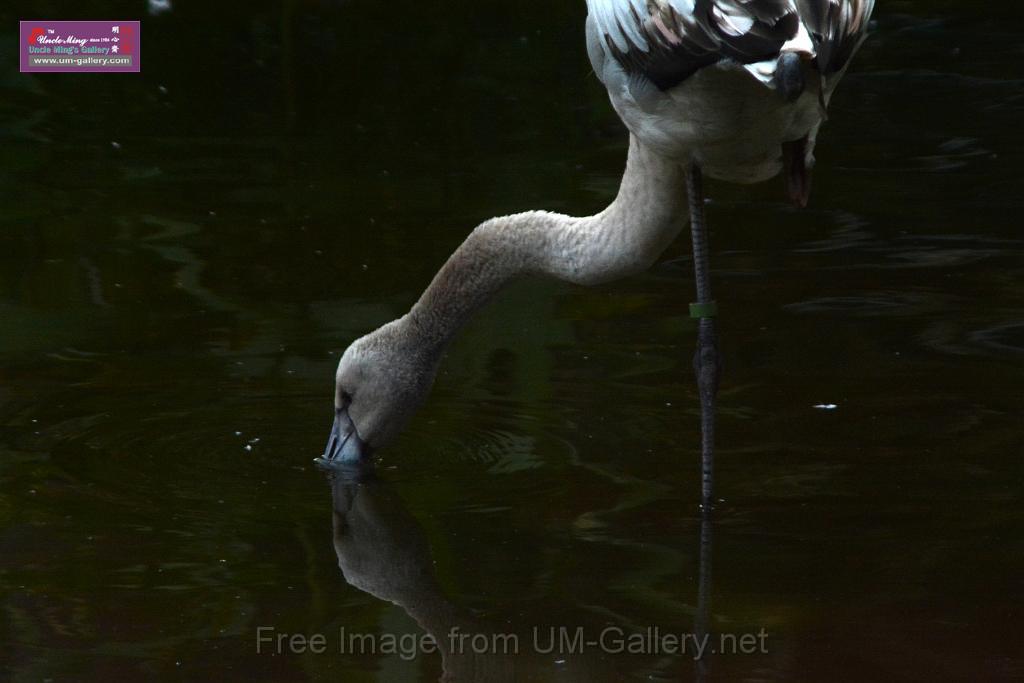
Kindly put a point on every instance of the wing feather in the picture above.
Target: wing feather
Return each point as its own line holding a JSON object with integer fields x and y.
{"x": 668, "y": 40}
{"x": 837, "y": 28}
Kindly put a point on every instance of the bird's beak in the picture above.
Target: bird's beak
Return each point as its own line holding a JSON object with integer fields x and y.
{"x": 798, "y": 176}
{"x": 344, "y": 444}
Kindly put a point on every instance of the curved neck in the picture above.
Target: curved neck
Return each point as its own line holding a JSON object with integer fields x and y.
{"x": 627, "y": 237}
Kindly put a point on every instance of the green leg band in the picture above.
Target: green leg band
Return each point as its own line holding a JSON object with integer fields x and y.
{"x": 708, "y": 310}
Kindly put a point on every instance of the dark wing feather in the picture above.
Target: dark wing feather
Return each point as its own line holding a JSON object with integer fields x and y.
{"x": 667, "y": 41}
{"x": 837, "y": 28}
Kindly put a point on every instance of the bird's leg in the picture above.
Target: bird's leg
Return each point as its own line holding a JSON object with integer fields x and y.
{"x": 706, "y": 361}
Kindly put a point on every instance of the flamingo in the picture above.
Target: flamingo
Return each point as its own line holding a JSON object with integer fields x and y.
{"x": 736, "y": 90}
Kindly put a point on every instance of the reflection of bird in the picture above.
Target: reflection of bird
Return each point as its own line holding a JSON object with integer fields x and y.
{"x": 736, "y": 89}
{"x": 384, "y": 552}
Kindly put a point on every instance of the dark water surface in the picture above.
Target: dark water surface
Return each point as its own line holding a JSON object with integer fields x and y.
{"x": 183, "y": 254}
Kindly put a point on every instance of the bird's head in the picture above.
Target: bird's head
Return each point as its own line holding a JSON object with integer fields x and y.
{"x": 381, "y": 381}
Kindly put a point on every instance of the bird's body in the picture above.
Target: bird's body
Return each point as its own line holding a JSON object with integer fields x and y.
{"x": 724, "y": 120}
{"x": 725, "y": 84}
{"x": 734, "y": 88}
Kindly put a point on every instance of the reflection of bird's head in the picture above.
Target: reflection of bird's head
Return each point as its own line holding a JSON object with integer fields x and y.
{"x": 381, "y": 381}
{"x": 381, "y": 548}
{"x": 383, "y": 551}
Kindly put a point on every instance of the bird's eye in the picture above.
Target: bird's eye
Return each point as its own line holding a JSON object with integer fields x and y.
{"x": 346, "y": 399}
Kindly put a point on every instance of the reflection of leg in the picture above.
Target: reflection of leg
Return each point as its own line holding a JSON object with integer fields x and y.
{"x": 706, "y": 362}
{"x": 702, "y": 625}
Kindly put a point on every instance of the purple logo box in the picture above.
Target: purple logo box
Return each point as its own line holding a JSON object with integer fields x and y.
{"x": 81, "y": 46}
